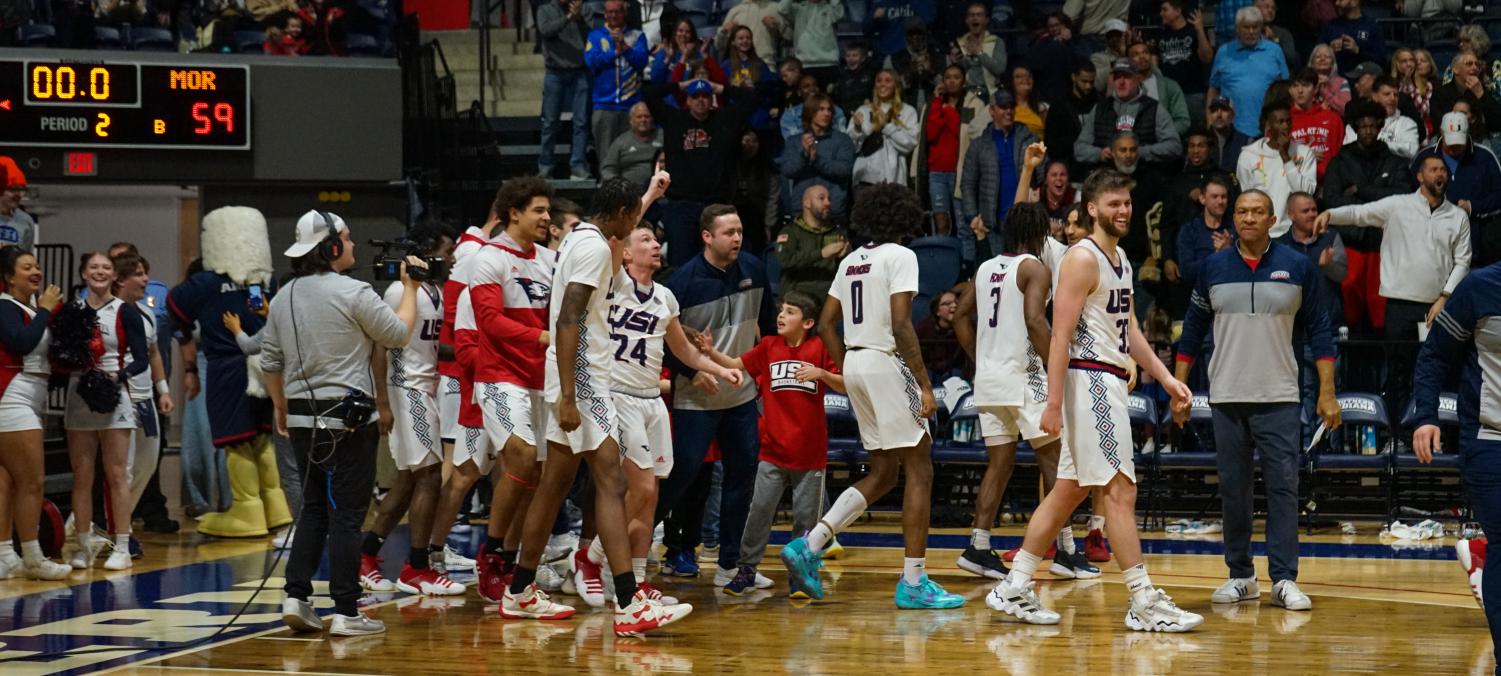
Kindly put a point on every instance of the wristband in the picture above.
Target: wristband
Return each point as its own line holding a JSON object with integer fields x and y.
{"x": 162, "y": 387}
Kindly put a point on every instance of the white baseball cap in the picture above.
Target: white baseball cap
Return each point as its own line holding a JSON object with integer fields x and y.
{"x": 313, "y": 228}
{"x": 1456, "y": 128}
{"x": 1116, "y": 26}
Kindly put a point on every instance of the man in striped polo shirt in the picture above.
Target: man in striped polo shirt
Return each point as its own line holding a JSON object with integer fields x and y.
{"x": 1259, "y": 296}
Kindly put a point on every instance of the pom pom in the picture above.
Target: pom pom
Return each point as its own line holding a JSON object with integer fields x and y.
{"x": 75, "y": 332}
{"x": 99, "y": 391}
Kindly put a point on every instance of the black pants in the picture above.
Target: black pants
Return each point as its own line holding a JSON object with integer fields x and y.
{"x": 1402, "y": 317}
{"x": 338, "y": 470}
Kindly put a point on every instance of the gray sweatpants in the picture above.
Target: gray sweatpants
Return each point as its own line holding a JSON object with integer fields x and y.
{"x": 1274, "y": 430}
{"x": 771, "y": 482}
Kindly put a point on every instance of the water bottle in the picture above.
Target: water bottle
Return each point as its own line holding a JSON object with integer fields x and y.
{"x": 1368, "y": 440}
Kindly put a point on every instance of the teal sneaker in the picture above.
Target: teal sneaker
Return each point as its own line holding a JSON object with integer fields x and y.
{"x": 925, "y": 595}
{"x": 802, "y": 567}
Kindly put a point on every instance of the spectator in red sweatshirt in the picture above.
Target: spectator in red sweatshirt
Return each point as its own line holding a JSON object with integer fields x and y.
{"x": 942, "y": 134}
{"x": 1314, "y": 125}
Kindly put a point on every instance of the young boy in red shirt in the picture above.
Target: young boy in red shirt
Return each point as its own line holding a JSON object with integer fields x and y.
{"x": 791, "y": 370}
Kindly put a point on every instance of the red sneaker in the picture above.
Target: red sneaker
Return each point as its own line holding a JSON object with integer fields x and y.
{"x": 370, "y": 577}
{"x": 490, "y": 575}
{"x": 427, "y": 581}
{"x": 1011, "y": 553}
{"x": 1471, "y": 555}
{"x": 588, "y": 579}
{"x": 654, "y": 594}
{"x": 1095, "y": 547}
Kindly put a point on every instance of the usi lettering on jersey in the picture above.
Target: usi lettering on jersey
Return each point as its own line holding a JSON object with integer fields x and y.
{"x": 638, "y": 328}
{"x": 783, "y": 376}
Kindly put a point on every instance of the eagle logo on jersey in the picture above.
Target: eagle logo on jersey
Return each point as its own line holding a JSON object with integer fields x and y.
{"x": 537, "y": 292}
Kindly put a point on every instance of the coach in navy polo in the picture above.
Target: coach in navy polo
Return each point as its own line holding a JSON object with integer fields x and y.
{"x": 1259, "y": 295}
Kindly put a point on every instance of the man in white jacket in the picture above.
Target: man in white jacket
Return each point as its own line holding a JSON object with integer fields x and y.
{"x": 1277, "y": 165}
{"x": 1426, "y": 250}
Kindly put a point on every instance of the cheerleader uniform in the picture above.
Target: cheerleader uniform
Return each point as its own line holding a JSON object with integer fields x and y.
{"x": 23, "y": 364}
{"x": 121, "y": 328}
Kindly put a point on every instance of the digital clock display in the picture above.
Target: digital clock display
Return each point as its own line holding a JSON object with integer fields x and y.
{"x": 124, "y": 105}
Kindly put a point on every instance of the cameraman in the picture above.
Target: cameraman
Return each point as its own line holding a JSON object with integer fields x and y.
{"x": 316, "y": 351}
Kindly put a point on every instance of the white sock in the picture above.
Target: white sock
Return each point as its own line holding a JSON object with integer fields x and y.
{"x": 1066, "y": 540}
{"x": 1096, "y": 523}
{"x": 979, "y": 538}
{"x": 1137, "y": 581}
{"x": 31, "y": 551}
{"x": 913, "y": 570}
{"x": 596, "y": 552}
{"x": 638, "y": 566}
{"x": 844, "y": 511}
{"x": 8, "y": 554}
{"x": 122, "y": 542}
{"x": 1023, "y": 567}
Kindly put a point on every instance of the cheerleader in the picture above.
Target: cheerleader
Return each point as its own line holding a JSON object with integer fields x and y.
{"x": 23, "y": 392}
{"x": 121, "y": 328}
{"x": 131, "y": 272}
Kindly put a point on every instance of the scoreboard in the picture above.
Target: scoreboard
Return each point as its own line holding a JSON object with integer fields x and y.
{"x": 105, "y": 104}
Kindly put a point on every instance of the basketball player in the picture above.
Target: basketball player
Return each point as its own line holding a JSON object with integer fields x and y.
{"x": 582, "y": 424}
{"x": 1087, "y": 402}
{"x": 1010, "y": 349}
{"x": 888, "y": 388}
{"x": 509, "y": 283}
{"x": 448, "y": 367}
{"x": 643, "y": 321}
{"x": 407, "y": 399}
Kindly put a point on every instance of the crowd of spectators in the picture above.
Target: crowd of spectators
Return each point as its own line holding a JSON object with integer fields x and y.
{"x": 1196, "y": 103}
{"x": 277, "y": 27}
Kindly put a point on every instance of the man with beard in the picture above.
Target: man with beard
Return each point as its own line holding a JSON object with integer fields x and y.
{"x": 1474, "y": 177}
{"x": 1424, "y": 255}
{"x": 1181, "y": 201}
{"x": 1063, "y": 121}
{"x": 810, "y": 248}
{"x": 1225, "y": 141}
{"x": 1128, "y": 108}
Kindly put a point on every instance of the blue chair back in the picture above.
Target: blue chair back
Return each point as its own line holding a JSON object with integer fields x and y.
{"x": 773, "y": 271}
{"x": 249, "y": 42}
{"x": 108, "y": 38}
{"x": 939, "y": 263}
{"x": 965, "y": 408}
{"x": 36, "y": 35}
{"x": 837, "y": 408}
{"x": 1359, "y": 408}
{"x": 362, "y": 44}
{"x": 150, "y": 38}
{"x": 1142, "y": 410}
{"x": 1448, "y": 410}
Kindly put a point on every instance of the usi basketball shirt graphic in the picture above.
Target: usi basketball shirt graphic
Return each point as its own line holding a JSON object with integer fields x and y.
{"x": 784, "y": 377}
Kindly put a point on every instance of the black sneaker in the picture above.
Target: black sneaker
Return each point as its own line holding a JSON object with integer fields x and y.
{"x": 1075, "y": 566}
{"x": 161, "y": 526}
{"x": 983, "y": 562}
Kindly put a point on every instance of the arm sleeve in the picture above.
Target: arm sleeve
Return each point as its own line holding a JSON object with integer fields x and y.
{"x": 903, "y": 136}
{"x": 609, "y": 167}
{"x": 377, "y": 319}
{"x": 1189, "y": 267}
{"x": 856, "y": 128}
{"x": 1488, "y": 201}
{"x": 969, "y": 184}
{"x": 1314, "y": 315}
{"x": 836, "y": 160}
{"x": 272, "y": 359}
{"x": 550, "y": 19}
{"x": 1462, "y": 255}
{"x": 638, "y": 55}
{"x": 1196, "y": 322}
{"x": 995, "y": 62}
{"x": 1373, "y": 215}
{"x": 490, "y": 319}
{"x": 1085, "y": 149}
{"x": 1168, "y": 146}
{"x": 135, "y": 340}
{"x": 1453, "y": 329}
{"x": 754, "y": 360}
{"x": 249, "y": 345}
{"x": 793, "y": 254}
{"x": 18, "y": 339}
{"x": 794, "y": 162}
{"x": 599, "y": 54}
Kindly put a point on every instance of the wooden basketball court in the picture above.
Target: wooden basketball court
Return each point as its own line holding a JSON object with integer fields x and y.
{"x": 1377, "y": 608}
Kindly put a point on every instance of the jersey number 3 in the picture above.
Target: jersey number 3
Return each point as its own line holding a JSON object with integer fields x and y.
{"x": 1120, "y": 304}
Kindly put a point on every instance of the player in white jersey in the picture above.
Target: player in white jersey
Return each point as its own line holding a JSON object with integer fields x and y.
{"x": 643, "y": 323}
{"x": 888, "y": 389}
{"x": 449, "y": 388}
{"x": 1009, "y": 345}
{"x": 582, "y": 422}
{"x": 1087, "y": 403}
{"x": 407, "y": 401}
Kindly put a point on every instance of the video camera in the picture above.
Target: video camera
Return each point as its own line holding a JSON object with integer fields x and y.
{"x": 393, "y": 253}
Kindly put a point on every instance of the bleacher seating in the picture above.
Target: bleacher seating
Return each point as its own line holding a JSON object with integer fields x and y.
{"x": 153, "y": 39}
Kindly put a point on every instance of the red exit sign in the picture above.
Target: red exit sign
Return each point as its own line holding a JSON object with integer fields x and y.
{"x": 80, "y": 164}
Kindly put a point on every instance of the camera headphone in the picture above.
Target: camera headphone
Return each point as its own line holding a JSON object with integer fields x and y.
{"x": 332, "y": 247}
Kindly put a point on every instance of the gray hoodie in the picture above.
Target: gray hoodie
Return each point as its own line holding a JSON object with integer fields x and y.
{"x": 562, "y": 37}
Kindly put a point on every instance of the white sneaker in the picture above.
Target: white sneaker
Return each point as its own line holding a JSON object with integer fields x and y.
{"x": 644, "y": 615}
{"x": 10, "y": 566}
{"x": 723, "y": 576}
{"x": 299, "y": 615}
{"x": 708, "y": 555}
{"x": 119, "y": 559}
{"x": 548, "y": 578}
{"x": 1236, "y": 590}
{"x": 588, "y": 579}
{"x": 452, "y": 560}
{"x": 1157, "y": 612}
{"x": 560, "y": 546}
{"x": 1020, "y": 603}
{"x": 45, "y": 569}
{"x": 1286, "y": 594}
{"x": 283, "y": 539}
{"x": 355, "y": 625}
{"x": 532, "y": 604}
{"x": 87, "y": 550}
